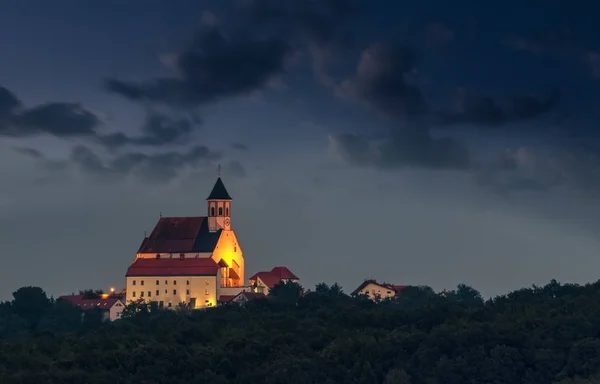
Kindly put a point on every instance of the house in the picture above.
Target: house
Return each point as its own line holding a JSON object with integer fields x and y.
{"x": 110, "y": 306}
{"x": 263, "y": 282}
{"x": 378, "y": 291}
{"x": 191, "y": 260}
{"x": 241, "y": 298}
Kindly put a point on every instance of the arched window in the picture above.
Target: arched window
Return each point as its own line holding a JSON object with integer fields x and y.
{"x": 220, "y": 211}
{"x": 212, "y": 211}
{"x": 227, "y": 211}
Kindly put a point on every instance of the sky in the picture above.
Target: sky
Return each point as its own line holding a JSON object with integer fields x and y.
{"x": 417, "y": 143}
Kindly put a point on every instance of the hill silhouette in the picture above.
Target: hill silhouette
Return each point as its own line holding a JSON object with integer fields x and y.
{"x": 548, "y": 334}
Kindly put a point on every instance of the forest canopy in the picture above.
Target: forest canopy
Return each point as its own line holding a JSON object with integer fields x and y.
{"x": 548, "y": 334}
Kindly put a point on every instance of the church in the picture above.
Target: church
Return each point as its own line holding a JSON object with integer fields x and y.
{"x": 189, "y": 261}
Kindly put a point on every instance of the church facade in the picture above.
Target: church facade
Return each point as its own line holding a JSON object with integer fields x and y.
{"x": 189, "y": 261}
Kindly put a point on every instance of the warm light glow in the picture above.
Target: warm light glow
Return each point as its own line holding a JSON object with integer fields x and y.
{"x": 104, "y": 295}
{"x": 112, "y": 289}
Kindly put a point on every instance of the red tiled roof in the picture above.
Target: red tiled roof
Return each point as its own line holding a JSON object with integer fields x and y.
{"x": 393, "y": 287}
{"x": 173, "y": 267}
{"x": 283, "y": 273}
{"x": 249, "y": 295}
{"x": 87, "y": 304}
{"x": 274, "y": 276}
{"x": 180, "y": 234}
{"x": 226, "y": 298}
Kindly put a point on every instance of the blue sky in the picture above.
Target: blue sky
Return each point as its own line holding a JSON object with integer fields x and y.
{"x": 379, "y": 141}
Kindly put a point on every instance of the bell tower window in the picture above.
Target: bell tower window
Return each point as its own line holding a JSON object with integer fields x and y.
{"x": 220, "y": 211}
{"x": 226, "y": 211}
{"x": 212, "y": 211}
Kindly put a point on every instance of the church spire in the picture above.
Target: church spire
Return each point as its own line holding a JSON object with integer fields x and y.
{"x": 219, "y": 207}
{"x": 219, "y": 192}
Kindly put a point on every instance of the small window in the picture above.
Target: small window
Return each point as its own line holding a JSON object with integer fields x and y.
{"x": 166, "y": 291}
{"x": 149, "y": 293}
{"x": 142, "y": 282}
{"x": 174, "y": 282}
{"x": 166, "y": 282}
{"x": 187, "y": 291}
{"x": 227, "y": 211}
{"x": 133, "y": 293}
{"x": 170, "y": 304}
{"x": 174, "y": 291}
{"x": 220, "y": 211}
{"x": 133, "y": 282}
{"x": 142, "y": 294}
{"x": 187, "y": 282}
{"x": 212, "y": 211}
{"x": 234, "y": 249}
{"x": 157, "y": 282}
{"x": 207, "y": 292}
{"x": 161, "y": 304}
{"x": 157, "y": 292}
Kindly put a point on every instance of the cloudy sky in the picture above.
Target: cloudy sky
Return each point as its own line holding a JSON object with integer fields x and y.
{"x": 437, "y": 144}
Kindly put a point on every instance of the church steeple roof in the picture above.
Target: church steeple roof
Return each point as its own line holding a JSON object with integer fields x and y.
{"x": 219, "y": 192}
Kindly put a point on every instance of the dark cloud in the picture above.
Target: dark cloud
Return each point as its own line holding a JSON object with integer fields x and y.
{"x": 57, "y": 119}
{"x": 29, "y": 152}
{"x": 324, "y": 26}
{"x": 382, "y": 81}
{"x": 574, "y": 166}
{"x": 556, "y": 41}
{"x": 212, "y": 67}
{"x": 9, "y": 103}
{"x": 406, "y": 147}
{"x": 157, "y": 130}
{"x": 235, "y": 169}
{"x": 151, "y": 168}
{"x": 239, "y": 146}
{"x": 470, "y": 109}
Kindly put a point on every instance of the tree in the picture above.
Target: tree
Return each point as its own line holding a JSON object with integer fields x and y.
{"x": 287, "y": 291}
{"x": 31, "y": 303}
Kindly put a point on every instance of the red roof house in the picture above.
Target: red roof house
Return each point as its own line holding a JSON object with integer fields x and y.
{"x": 265, "y": 281}
{"x": 111, "y": 307}
{"x": 374, "y": 290}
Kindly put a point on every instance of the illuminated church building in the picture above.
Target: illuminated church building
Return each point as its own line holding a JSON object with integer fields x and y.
{"x": 189, "y": 260}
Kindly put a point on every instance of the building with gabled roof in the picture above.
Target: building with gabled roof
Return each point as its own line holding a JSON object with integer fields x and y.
{"x": 110, "y": 306}
{"x": 191, "y": 260}
{"x": 263, "y": 282}
{"x": 377, "y": 291}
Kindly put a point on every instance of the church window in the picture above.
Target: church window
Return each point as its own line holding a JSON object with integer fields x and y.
{"x": 234, "y": 249}
{"x": 187, "y": 282}
{"x": 220, "y": 211}
{"x": 142, "y": 282}
{"x": 133, "y": 293}
{"x": 187, "y": 291}
{"x": 142, "y": 294}
{"x": 174, "y": 282}
{"x": 226, "y": 211}
{"x": 166, "y": 291}
{"x": 206, "y": 292}
{"x": 166, "y": 282}
{"x": 212, "y": 211}
{"x": 170, "y": 304}
{"x": 157, "y": 292}
{"x": 174, "y": 291}
{"x": 133, "y": 282}
{"x": 157, "y": 282}
{"x": 149, "y": 293}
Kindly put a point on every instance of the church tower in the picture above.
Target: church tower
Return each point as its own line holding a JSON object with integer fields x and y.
{"x": 219, "y": 207}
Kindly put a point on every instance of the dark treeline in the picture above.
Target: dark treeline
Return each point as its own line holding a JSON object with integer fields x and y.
{"x": 539, "y": 335}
